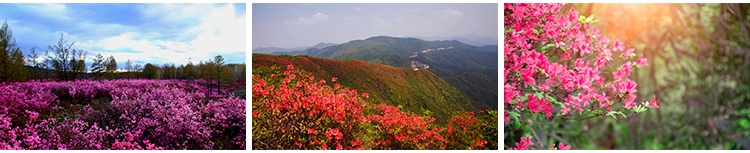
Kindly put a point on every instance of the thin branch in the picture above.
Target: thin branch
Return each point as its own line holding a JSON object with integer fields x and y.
{"x": 531, "y": 126}
{"x": 545, "y": 123}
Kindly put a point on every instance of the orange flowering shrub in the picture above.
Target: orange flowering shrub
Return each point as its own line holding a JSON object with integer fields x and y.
{"x": 294, "y": 110}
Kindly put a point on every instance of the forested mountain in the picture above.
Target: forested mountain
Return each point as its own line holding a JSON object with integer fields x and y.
{"x": 418, "y": 91}
{"x": 471, "y": 69}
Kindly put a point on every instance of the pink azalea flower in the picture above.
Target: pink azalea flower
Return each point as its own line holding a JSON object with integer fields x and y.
{"x": 642, "y": 61}
{"x": 654, "y": 102}
{"x": 563, "y": 147}
{"x": 617, "y": 46}
{"x": 628, "y": 52}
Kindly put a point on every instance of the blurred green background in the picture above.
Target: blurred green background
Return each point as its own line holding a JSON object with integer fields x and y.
{"x": 699, "y": 68}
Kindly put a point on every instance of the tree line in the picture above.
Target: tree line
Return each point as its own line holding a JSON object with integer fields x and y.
{"x": 63, "y": 62}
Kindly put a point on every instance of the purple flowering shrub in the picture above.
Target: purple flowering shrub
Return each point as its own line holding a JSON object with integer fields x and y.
{"x": 118, "y": 114}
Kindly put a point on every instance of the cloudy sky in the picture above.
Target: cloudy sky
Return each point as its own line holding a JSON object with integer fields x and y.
{"x": 298, "y": 25}
{"x": 143, "y": 33}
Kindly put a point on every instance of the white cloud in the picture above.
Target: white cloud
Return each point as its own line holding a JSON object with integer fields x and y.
{"x": 174, "y": 45}
{"x": 400, "y": 21}
{"x": 171, "y": 33}
{"x": 451, "y": 13}
{"x": 223, "y": 32}
{"x": 220, "y": 32}
{"x": 117, "y": 42}
{"x": 357, "y": 8}
{"x": 381, "y": 23}
{"x": 171, "y": 12}
{"x": 315, "y": 18}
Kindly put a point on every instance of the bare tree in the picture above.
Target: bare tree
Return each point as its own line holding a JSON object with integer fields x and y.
{"x": 66, "y": 60}
{"x": 111, "y": 67}
{"x": 99, "y": 65}
{"x": 129, "y": 67}
{"x": 33, "y": 62}
{"x": 239, "y": 70}
{"x": 79, "y": 63}
{"x": 138, "y": 69}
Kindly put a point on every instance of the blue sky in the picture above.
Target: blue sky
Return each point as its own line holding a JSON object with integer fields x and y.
{"x": 143, "y": 33}
{"x": 298, "y": 25}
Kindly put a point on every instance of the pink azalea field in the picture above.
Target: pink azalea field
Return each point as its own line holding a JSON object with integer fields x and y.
{"x": 120, "y": 114}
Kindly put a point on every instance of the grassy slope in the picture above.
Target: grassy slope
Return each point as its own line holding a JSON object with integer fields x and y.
{"x": 414, "y": 90}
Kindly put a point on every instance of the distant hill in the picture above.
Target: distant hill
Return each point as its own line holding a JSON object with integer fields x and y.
{"x": 414, "y": 90}
{"x": 472, "y": 39}
{"x": 468, "y": 68}
{"x": 323, "y": 45}
{"x": 277, "y": 50}
{"x": 269, "y": 50}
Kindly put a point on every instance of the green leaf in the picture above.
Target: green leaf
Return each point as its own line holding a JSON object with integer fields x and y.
{"x": 523, "y": 98}
{"x": 563, "y": 48}
{"x": 509, "y": 31}
{"x": 518, "y": 124}
{"x": 514, "y": 114}
{"x": 541, "y": 70}
{"x": 639, "y": 109}
{"x": 594, "y": 21}
{"x": 744, "y": 123}
{"x": 582, "y": 19}
{"x": 535, "y": 31}
{"x": 588, "y": 20}
{"x": 554, "y": 101}
{"x": 544, "y": 48}
{"x": 612, "y": 114}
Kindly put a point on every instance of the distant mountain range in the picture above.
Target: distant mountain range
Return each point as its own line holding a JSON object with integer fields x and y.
{"x": 268, "y": 50}
{"x": 471, "y": 69}
{"x": 472, "y": 39}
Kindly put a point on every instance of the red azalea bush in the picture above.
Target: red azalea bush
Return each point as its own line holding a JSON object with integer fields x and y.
{"x": 463, "y": 130}
{"x": 291, "y": 112}
{"x": 554, "y": 59}
{"x": 294, "y": 110}
{"x": 402, "y": 130}
{"x": 118, "y": 114}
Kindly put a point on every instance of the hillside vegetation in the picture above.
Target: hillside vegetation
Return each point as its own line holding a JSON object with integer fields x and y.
{"x": 473, "y": 70}
{"x": 292, "y": 109}
{"x": 419, "y": 91}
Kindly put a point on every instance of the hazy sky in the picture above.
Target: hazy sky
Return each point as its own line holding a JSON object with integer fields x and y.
{"x": 297, "y": 25}
{"x": 144, "y": 33}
